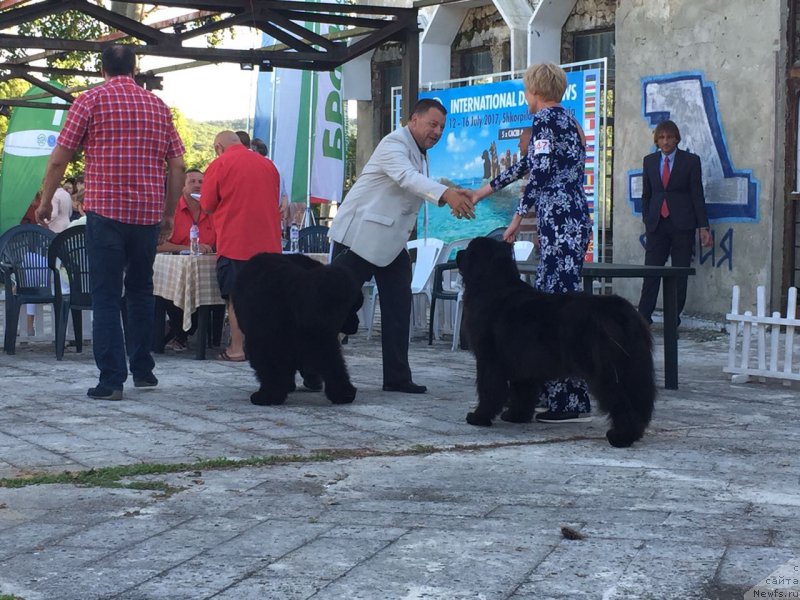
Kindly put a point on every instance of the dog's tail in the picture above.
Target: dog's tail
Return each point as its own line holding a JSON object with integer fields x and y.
{"x": 628, "y": 381}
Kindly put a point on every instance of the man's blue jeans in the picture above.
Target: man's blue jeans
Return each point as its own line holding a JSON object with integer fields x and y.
{"x": 121, "y": 254}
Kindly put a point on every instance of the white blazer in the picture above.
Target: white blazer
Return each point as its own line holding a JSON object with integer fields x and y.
{"x": 380, "y": 211}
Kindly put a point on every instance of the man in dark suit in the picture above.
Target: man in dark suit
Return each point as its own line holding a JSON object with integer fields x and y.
{"x": 673, "y": 207}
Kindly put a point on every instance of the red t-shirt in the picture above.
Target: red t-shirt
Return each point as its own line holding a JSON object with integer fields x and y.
{"x": 127, "y": 133}
{"x": 241, "y": 189}
{"x": 183, "y": 221}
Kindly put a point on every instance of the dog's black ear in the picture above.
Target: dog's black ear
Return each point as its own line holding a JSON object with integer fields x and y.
{"x": 500, "y": 248}
{"x": 460, "y": 258}
{"x": 502, "y": 258}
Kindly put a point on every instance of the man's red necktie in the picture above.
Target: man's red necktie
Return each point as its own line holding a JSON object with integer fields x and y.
{"x": 664, "y": 182}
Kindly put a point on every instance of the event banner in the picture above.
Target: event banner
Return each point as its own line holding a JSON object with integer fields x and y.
{"x": 300, "y": 116}
{"x": 30, "y": 139}
{"x": 481, "y": 139}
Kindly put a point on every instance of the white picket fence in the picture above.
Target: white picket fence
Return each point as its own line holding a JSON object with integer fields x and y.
{"x": 765, "y": 362}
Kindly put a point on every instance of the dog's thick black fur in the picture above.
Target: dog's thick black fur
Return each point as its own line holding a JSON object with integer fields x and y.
{"x": 522, "y": 337}
{"x": 291, "y": 310}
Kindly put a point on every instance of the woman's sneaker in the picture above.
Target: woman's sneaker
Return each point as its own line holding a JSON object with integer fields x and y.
{"x": 176, "y": 345}
{"x": 550, "y": 416}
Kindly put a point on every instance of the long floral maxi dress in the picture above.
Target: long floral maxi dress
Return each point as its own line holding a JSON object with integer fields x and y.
{"x": 555, "y": 161}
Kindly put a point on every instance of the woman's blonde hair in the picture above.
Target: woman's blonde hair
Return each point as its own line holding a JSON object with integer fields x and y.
{"x": 547, "y": 80}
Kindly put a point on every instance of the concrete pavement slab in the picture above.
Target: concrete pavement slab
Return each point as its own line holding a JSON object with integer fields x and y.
{"x": 392, "y": 497}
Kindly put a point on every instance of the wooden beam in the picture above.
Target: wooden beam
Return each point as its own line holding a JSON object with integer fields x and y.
{"x": 410, "y": 72}
{"x": 215, "y": 55}
{"x": 118, "y": 35}
{"x": 302, "y": 47}
{"x": 376, "y": 38}
{"x": 47, "y": 87}
{"x": 303, "y": 32}
{"x": 18, "y": 16}
{"x": 28, "y": 104}
{"x": 238, "y": 19}
{"x": 17, "y": 69}
{"x": 330, "y": 7}
{"x": 122, "y": 23}
{"x": 220, "y": 6}
{"x": 340, "y": 19}
{"x": 284, "y": 36}
{"x": 4, "y": 4}
{"x": 324, "y": 7}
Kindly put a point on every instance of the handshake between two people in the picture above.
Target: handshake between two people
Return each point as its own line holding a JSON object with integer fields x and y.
{"x": 462, "y": 201}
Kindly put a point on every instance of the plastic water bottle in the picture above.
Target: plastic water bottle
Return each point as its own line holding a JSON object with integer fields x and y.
{"x": 194, "y": 240}
{"x": 294, "y": 238}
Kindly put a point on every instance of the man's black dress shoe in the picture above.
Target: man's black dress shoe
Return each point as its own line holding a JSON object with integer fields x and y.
{"x": 408, "y": 387}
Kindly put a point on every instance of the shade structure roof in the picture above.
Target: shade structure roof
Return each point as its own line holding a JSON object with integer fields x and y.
{"x": 355, "y": 29}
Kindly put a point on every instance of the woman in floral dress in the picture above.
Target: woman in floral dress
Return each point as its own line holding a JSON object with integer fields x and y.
{"x": 555, "y": 164}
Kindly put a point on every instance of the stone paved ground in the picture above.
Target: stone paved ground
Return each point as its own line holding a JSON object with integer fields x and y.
{"x": 394, "y": 496}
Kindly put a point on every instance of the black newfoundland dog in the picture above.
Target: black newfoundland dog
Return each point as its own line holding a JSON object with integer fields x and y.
{"x": 522, "y": 337}
{"x": 291, "y": 309}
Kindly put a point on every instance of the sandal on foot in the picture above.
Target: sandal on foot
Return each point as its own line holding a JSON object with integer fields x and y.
{"x": 230, "y": 358}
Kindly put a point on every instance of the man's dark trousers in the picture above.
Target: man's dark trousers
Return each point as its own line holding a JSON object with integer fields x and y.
{"x": 121, "y": 257}
{"x": 660, "y": 244}
{"x": 394, "y": 295}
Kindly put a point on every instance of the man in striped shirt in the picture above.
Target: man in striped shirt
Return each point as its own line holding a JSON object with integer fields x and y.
{"x": 129, "y": 138}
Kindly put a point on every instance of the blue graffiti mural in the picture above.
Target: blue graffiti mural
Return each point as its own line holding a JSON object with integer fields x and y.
{"x": 725, "y": 251}
{"x": 690, "y": 101}
{"x": 711, "y": 255}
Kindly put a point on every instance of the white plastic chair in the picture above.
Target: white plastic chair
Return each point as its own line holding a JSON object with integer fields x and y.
{"x": 428, "y": 250}
{"x": 452, "y": 283}
{"x": 522, "y": 250}
{"x": 370, "y": 292}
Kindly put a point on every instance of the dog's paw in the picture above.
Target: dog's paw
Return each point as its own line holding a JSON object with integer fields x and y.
{"x": 619, "y": 439}
{"x": 513, "y": 416}
{"x": 341, "y": 395}
{"x": 476, "y": 419}
{"x": 262, "y": 399}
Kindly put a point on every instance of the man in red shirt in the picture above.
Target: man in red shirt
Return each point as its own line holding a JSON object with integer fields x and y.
{"x": 187, "y": 213}
{"x": 241, "y": 189}
{"x": 128, "y": 137}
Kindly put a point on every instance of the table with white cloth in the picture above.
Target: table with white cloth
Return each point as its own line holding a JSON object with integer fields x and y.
{"x": 190, "y": 283}
{"x": 320, "y": 257}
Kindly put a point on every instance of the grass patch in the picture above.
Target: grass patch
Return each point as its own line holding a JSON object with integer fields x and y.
{"x": 7, "y": 597}
{"x": 115, "y": 477}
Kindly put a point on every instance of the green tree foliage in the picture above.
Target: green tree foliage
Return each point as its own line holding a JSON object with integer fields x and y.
{"x": 198, "y": 137}
{"x": 350, "y": 159}
{"x": 10, "y": 89}
{"x": 67, "y": 25}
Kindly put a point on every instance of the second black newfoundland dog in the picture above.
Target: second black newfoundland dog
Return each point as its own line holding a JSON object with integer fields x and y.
{"x": 522, "y": 337}
{"x": 291, "y": 310}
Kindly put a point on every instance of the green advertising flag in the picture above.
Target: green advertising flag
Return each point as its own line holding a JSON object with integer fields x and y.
{"x": 31, "y": 137}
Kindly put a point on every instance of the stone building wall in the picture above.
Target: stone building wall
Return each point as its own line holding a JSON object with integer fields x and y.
{"x": 483, "y": 27}
{"x": 704, "y": 64}
{"x": 587, "y": 15}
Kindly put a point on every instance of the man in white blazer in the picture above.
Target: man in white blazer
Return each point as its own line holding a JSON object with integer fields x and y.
{"x": 376, "y": 219}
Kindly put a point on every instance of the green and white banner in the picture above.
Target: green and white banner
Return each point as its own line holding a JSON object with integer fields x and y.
{"x": 31, "y": 137}
{"x": 300, "y": 115}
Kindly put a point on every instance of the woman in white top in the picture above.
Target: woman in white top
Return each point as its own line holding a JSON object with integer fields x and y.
{"x": 62, "y": 209}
